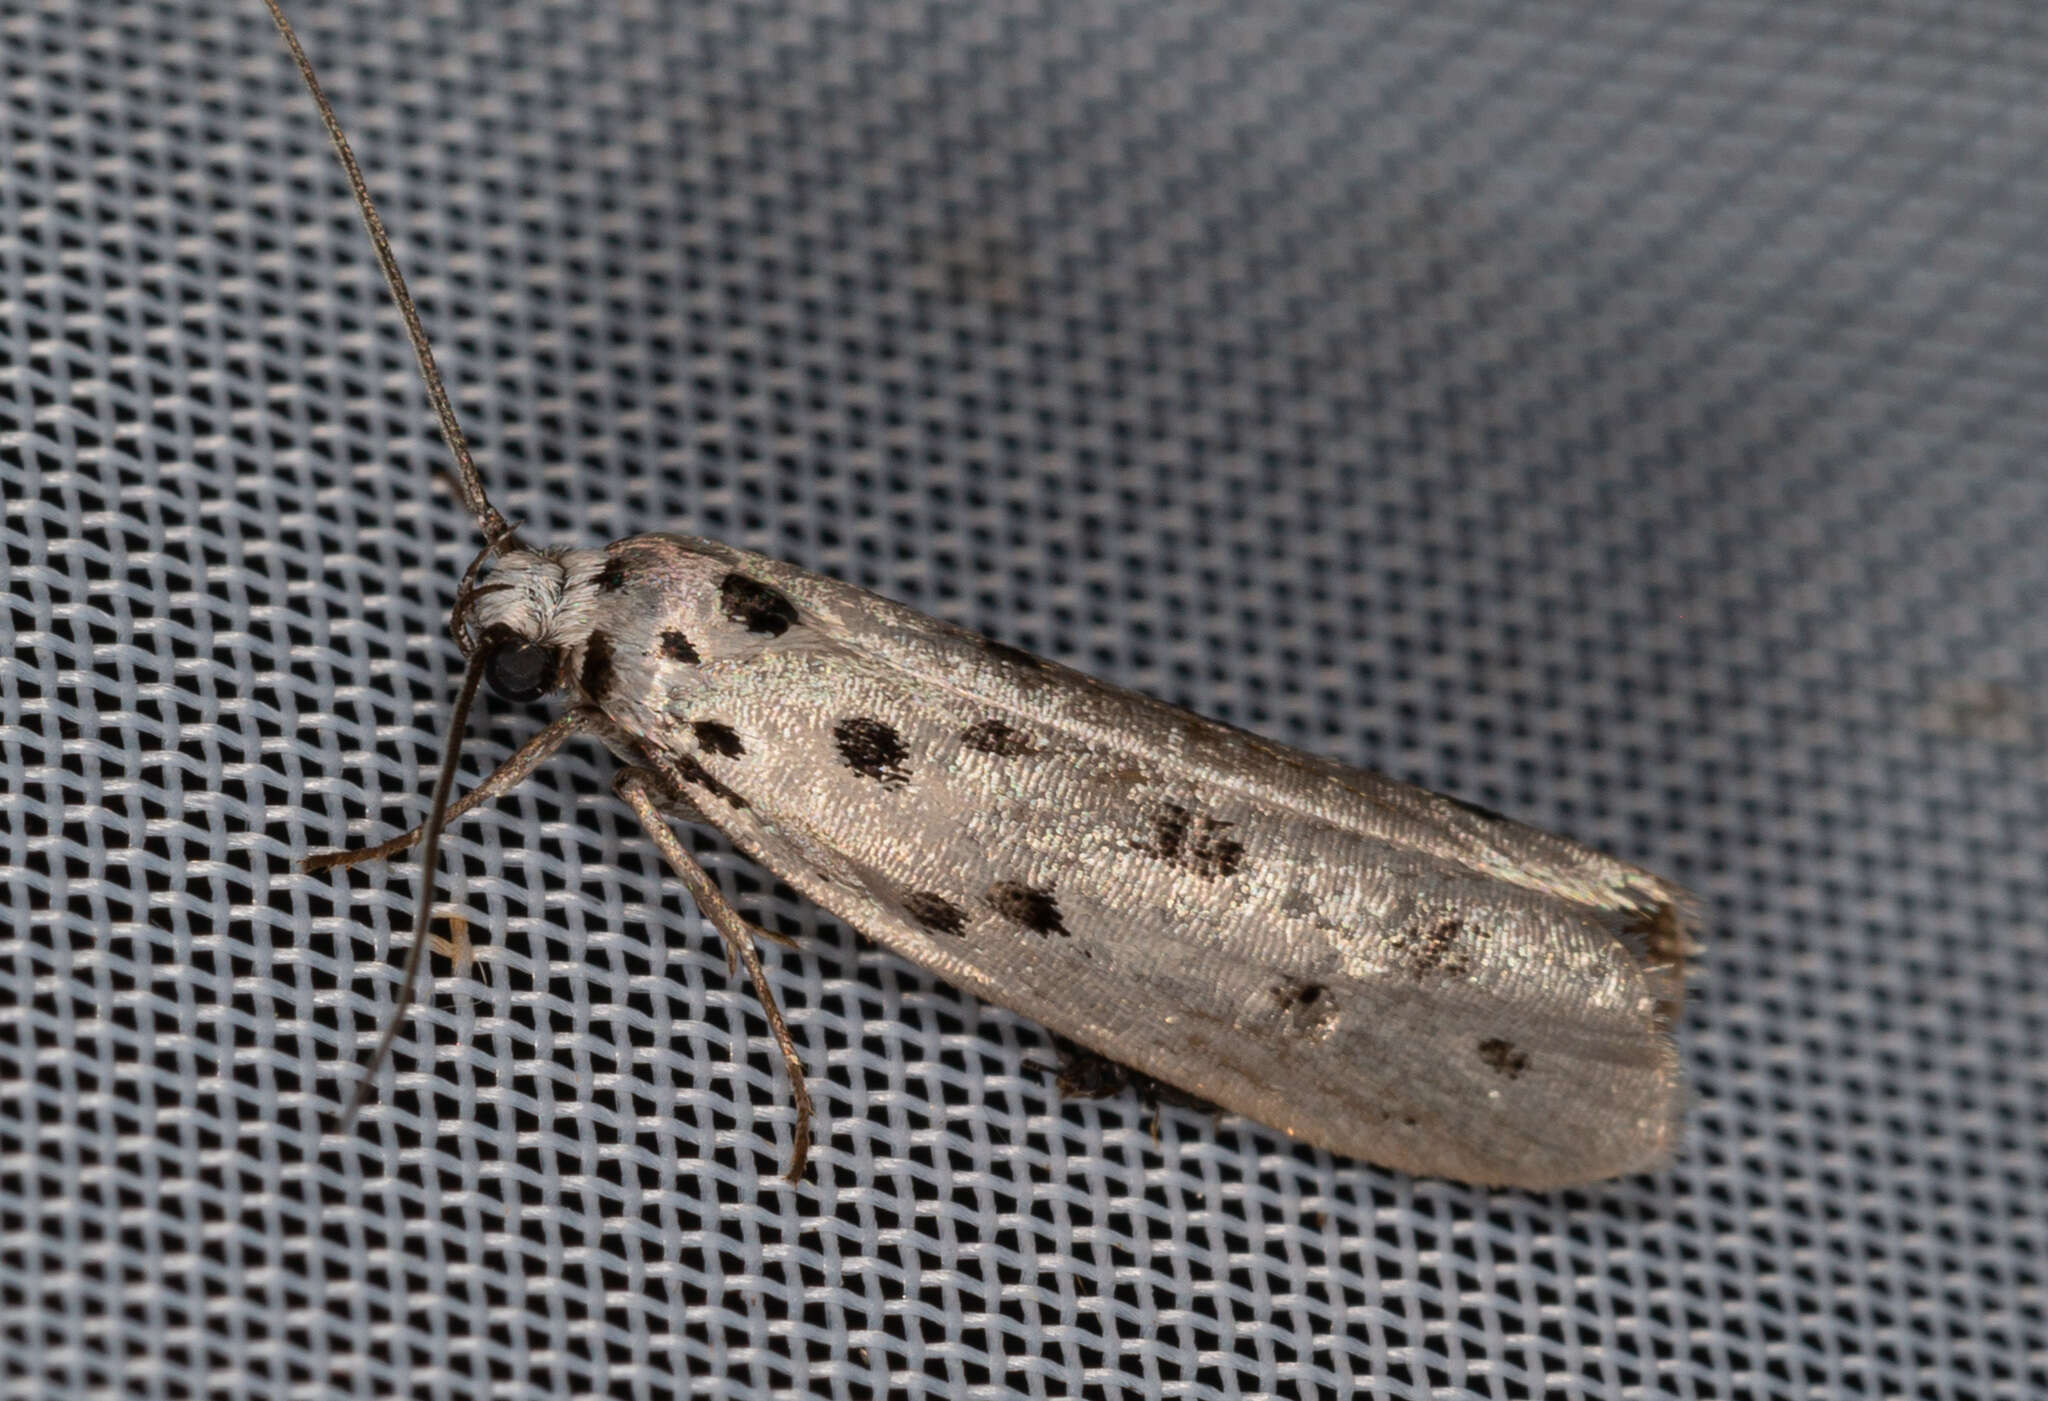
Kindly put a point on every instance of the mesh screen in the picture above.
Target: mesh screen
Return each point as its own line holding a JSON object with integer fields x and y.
{"x": 1631, "y": 417}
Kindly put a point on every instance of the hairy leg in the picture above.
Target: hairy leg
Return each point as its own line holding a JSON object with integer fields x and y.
{"x": 509, "y": 775}
{"x": 644, "y": 793}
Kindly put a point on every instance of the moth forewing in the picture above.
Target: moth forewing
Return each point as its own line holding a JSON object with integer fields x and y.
{"x": 1318, "y": 947}
{"x": 1369, "y": 967}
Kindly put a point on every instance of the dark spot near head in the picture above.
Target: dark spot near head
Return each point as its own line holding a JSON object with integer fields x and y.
{"x": 1308, "y": 995}
{"x": 717, "y": 737}
{"x": 1028, "y": 905}
{"x": 677, "y": 648}
{"x": 1503, "y": 1057}
{"x": 936, "y": 912}
{"x": 1198, "y": 844}
{"x": 596, "y": 676}
{"x": 685, "y": 768}
{"x": 1475, "y": 809}
{"x": 1439, "y": 949}
{"x": 995, "y": 737}
{"x": 873, "y": 749}
{"x": 755, "y": 606}
{"x": 612, "y": 577}
{"x": 1015, "y": 656}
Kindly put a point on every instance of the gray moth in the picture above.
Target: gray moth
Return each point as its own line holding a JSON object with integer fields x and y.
{"x": 1368, "y": 967}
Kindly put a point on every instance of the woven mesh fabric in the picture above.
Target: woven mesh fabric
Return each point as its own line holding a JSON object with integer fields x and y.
{"x": 1632, "y": 417}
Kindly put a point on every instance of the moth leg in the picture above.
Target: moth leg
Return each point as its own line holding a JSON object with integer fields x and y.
{"x": 642, "y": 792}
{"x": 780, "y": 940}
{"x": 675, "y": 803}
{"x": 670, "y": 799}
{"x": 509, "y": 775}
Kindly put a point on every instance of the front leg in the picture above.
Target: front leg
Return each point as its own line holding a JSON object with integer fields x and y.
{"x": 508, "y": 775}
{"x": 645, "y": 793}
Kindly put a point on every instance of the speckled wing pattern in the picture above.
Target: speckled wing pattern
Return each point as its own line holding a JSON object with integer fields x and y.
{"x": 1372, "y": 968}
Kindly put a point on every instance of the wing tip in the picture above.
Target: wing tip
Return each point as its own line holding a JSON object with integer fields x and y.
{"x": 1659, "y": 925}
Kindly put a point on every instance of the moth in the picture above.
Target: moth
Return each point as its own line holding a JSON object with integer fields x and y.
{"x": 1365, "y": 966}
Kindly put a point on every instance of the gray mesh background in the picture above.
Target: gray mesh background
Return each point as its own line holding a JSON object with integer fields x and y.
{"x": 1632, "y": 417}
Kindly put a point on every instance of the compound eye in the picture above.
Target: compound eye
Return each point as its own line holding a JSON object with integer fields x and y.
{"x": 522, "y": 671}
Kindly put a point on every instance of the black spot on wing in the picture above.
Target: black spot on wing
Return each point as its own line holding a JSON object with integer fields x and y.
{"x": 1307, "y": 1010}
{"x": 1195, "y": 843}
{"x": 995, "y": 737}
{"x": 1220, "y": 856}
{"x": 688, "y": 770}
{"x": 717, "y": 737}
{"x": 677, "y": 648}
{"x": 1503, "y": 1056}
{"x": 598, "y": 666}
{"x": 1028, "y": 905}
{"x": 1439, "y": 949}
{"x": 873, "y": 749}
{"x": 755, "y": 606}
{"x": 1169, "y": 833}
{"x": 935, "y": 912}
{"x": 612, "y": 577}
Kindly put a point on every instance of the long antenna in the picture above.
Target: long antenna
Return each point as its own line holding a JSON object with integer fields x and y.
{"x": 473, "y": 496}
{"x": 497, "y": 536}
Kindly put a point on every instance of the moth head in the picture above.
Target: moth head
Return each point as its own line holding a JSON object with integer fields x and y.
{"x": 525, "y": 617}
